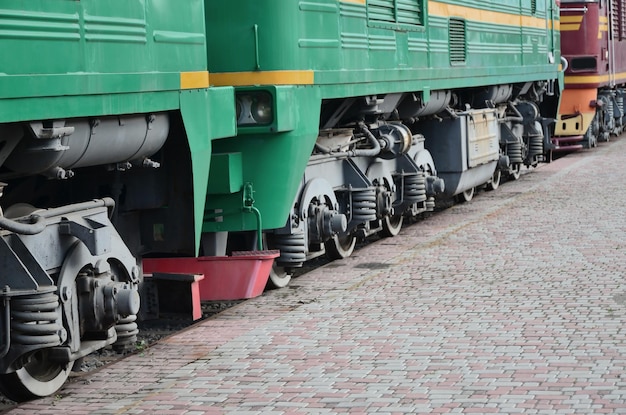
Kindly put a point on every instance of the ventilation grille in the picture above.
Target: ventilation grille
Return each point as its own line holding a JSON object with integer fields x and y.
{"x": 409, "y": 12}
{"x": 458, "y": 50}
{"x": 618, "y": 19}
{"x": 395, "y": 11}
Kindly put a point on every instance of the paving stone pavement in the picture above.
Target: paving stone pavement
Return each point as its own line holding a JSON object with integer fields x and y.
{"x": 512, "y": 303}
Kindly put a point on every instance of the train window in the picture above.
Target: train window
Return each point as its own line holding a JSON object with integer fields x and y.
{"x": 584, "y": 63}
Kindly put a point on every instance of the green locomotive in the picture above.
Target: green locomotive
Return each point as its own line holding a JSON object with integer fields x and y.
{"x": 354, "y": 114}
{"x": 317, "y": 123}
{"x": 106, "y": 101}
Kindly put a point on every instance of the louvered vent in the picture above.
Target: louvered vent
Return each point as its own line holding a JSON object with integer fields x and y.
{"x": 458, "y": 50}
{"x": 614, "y": 13}
{"x": 409, "y": 12}
{"x": 395, "y": 11}
{"x": 533, "y": 6}
{"x": 618, "y": 19}
{"x": 381, "y": 10}
{"x": 622, "y": 22}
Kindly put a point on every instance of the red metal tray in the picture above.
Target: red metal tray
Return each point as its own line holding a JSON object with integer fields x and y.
{"x": 240, "y": 276}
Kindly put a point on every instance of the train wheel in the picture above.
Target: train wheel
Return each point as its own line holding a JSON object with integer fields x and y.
{"x": 494, "y": 183}
{"x": 466, "y": 196}
{"x": 392, "y": 225}
{"x": 340, "y": 246}
{"x": 38, "y": 378}
{"x": 279, "y": 277}
{"x": 515, "y": 172}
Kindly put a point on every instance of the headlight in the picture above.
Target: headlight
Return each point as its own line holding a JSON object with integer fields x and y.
{"x": 254, "y": 108}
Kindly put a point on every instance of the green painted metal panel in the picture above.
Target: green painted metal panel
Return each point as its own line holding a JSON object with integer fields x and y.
{"x": 372, "y": 46}
{"x": 272, "y": 163}
{"x": 54, "y": 48}
{"x": 206, "y": 115}
{"x": 226, "y": 175}
{"x": 20, "y": 109}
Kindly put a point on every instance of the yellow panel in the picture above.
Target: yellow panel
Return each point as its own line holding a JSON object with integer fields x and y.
{"x": 193, "y": 80}
{"x": 572, "y": 19}
{"x": 263, "y": 78}
{"x": 569, "y": 27}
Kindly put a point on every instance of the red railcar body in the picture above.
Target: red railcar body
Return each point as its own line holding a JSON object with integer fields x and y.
{"x": 593, "y": 45}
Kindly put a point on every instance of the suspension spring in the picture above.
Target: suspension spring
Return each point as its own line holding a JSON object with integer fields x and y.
{"x": 33, "y": 320}
{"x": 363, "y": 205}
{"x": 514, "y": 151}
{"x": 535, "y": 146}
{"x": 414, "y": 188}
{"x": 292, "y": 248}
{"x": 127, "y": 331}
{"x": 430, "y": 204}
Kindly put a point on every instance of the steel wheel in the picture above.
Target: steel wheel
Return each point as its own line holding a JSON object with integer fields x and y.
{"x": 39, "y": 377}
{"x": 466, "y": 196}
{"x": 392, "y": 225}
{"x": 279, "y": 277}
{"x": 494, "y": 183}
{"x": 340, "y": 246}
{"x": 515, "y": 172}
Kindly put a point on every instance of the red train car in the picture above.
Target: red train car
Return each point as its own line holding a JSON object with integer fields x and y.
{"x": 593, "y": 44}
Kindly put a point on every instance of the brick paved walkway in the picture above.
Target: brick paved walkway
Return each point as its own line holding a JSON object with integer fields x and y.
{"x": 513, "y": 303}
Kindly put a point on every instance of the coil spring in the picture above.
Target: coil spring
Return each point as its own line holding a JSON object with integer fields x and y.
{"x": 514, "y": 151}
{"x": 33, "y": 320}
{"x": 292, "y": 248}
{"x": 430, "y": 204}
{"x": 535, "y": 146}
{"x": 127, "y": 331}
{"x": 414, "y": 188}
{"x": 363, "y": 205}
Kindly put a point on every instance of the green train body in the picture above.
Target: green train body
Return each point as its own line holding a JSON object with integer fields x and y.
{"x": 160, "y": 128}
{"x": 105, "y": 100}
{"x": 415, "y": 72}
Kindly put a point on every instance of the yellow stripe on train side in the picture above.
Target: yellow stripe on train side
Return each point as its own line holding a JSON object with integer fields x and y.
{"x": 450, "y": 10}
{"x": 604, "y": 27}
{"x": 594, "y": 79}
{"x": 566, "y": 27}
{"x": 194, "y": 80}
{"x": 263, "y": 78}
{"x": 571, "y": 23}
{"x": 572, "y": 19}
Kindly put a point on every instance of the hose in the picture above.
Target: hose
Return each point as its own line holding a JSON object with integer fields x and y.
{"x": 36, "y": 224}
